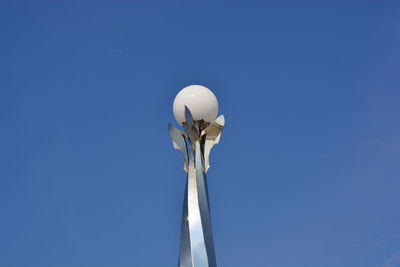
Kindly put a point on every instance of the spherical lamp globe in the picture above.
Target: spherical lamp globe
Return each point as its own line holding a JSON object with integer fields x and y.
{"x": 201, "y": 102}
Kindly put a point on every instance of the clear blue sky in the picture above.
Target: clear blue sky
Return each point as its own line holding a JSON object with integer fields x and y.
{"x": 307, "y": 173}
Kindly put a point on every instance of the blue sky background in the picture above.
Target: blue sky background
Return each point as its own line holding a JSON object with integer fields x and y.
{"x": 307, "y": 173}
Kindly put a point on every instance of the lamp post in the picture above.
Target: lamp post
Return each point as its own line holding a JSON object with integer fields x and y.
{"x": 196, "y": 108}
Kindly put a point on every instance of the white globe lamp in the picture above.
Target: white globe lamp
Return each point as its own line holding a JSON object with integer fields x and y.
{"x": 201, "y": 102}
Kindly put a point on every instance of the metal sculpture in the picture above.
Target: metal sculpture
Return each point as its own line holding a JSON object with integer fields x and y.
{"x": 195, "y": 142}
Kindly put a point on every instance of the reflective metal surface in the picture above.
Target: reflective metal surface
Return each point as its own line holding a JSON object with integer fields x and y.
{"x": 195, "y": 142}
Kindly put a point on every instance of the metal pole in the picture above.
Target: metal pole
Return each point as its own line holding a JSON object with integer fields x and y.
{"x": 195, "y": 142}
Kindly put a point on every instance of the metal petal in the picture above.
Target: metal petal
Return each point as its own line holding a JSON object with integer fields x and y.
{"x": 179, "y": 143}
{"x": 213, "y": 135}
